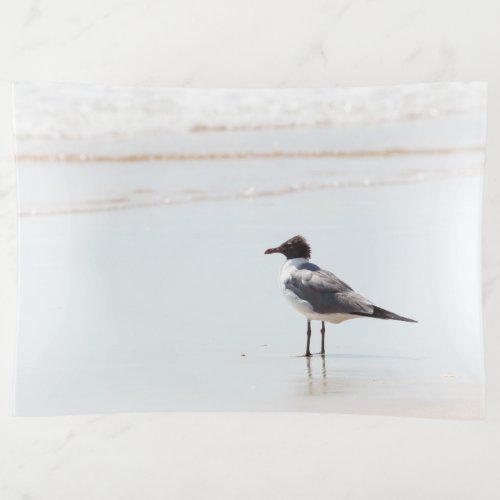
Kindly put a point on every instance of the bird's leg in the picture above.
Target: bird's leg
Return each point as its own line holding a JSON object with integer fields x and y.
{"x": 308, "y": 352}
{"x": 323, "y": 338}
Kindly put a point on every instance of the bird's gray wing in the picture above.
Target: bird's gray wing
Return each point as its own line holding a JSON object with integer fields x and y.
{"x": 326, "y": 293}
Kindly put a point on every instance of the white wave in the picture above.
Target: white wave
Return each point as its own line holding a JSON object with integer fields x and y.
{"x": 67, "y": 111}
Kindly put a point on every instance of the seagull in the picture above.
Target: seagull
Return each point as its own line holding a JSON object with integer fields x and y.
{"x": 318, "y": 294}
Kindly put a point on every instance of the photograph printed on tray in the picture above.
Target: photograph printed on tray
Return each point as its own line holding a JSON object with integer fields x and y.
{"x": 250, "y": 249}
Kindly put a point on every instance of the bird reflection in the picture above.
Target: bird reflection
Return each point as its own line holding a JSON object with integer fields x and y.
{"x": 313, "y": 382}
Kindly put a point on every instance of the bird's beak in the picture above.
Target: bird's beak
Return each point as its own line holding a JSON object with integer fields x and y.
{"x": 272, "y": 250}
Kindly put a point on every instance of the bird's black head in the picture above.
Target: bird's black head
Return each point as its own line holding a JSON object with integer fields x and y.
{"x": 296, "y": 247}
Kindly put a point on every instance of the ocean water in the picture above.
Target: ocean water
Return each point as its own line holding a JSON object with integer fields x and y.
{"x": 143, "y": 283}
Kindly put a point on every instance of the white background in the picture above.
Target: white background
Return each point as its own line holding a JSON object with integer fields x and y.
{"x": 250, "y": 43}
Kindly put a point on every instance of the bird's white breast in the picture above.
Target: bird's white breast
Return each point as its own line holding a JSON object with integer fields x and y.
{"x": 289, "y": 267}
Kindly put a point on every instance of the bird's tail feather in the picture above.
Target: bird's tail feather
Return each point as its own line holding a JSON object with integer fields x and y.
{"x": 380, "y": 313}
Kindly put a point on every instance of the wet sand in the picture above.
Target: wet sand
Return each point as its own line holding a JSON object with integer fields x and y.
{"x": 177, "y": 308}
